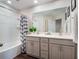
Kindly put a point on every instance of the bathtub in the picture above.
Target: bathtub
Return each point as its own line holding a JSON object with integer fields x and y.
{"x": 10, "y": 50}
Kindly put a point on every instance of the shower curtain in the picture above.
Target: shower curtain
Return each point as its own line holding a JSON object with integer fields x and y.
{"x": 23, "y": 32}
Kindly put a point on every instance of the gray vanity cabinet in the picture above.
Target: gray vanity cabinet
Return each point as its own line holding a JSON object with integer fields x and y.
{"x": 29, "y": 47}
{"x": 48, "y": 48}
{"x": 32, "y": 46}
{"x": 60, "y": 50}
{"x": 36, "y": 49}
{"x": 54, "y": 51}
{"x": 67, "y": 52}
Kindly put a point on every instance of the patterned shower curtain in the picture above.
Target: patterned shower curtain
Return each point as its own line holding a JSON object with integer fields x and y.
{"x": 23, "y": 32}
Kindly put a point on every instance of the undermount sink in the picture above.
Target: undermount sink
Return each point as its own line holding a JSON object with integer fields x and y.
{"x": 48, "y": 33}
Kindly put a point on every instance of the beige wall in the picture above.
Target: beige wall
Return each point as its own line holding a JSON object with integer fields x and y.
{"x": 74, "y": 22}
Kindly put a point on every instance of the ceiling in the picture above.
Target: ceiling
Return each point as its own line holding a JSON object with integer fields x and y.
{"x": 24, "y": 4}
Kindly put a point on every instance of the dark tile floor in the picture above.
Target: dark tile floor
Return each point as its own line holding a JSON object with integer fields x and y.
{"x": 24, "y": 56}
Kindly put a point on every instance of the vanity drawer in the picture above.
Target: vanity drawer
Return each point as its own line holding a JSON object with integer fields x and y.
{"x": 61, "y": 41}
{"x": 44, "y": 46}
{"x": 45, "y": 40}
{"x": 32, "y": 38}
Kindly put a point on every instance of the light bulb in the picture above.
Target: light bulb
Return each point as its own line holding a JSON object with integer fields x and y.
{"x": 35, "y": 1}
{"x": 9, "y": 1}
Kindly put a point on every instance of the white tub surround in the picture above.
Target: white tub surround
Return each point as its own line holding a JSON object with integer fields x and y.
{"x": 9, "y": 45}
{"x": 10, "y": 50}
{"x": 45, "y": 46}
{"x": 9, "y": 32}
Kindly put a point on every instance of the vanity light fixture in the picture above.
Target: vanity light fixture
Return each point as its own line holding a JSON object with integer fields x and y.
{"x": 35, "y": 1}
{"x": 9, "y": 2}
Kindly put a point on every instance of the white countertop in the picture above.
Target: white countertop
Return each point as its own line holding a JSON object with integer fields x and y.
{"x": 69, "y": 37}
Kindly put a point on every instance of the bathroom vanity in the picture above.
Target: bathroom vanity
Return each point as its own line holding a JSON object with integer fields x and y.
{"x": 50, "y": 46}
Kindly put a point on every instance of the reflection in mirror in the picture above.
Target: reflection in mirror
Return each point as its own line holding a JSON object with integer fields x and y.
{"x": 58, "y": 25}
{"x": 50, "y": 21}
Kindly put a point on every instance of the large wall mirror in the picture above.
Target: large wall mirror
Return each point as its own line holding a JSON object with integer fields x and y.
{"x": 50, "y": 21}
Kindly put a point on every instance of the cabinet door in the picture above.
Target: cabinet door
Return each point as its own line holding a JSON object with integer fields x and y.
{"x": 36, "y": 49}
{"x": 67, "y": 52}
{"x": 29, "y": 47}
{"x": 54, "y": 51}
{"x": 32, "y": 46}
